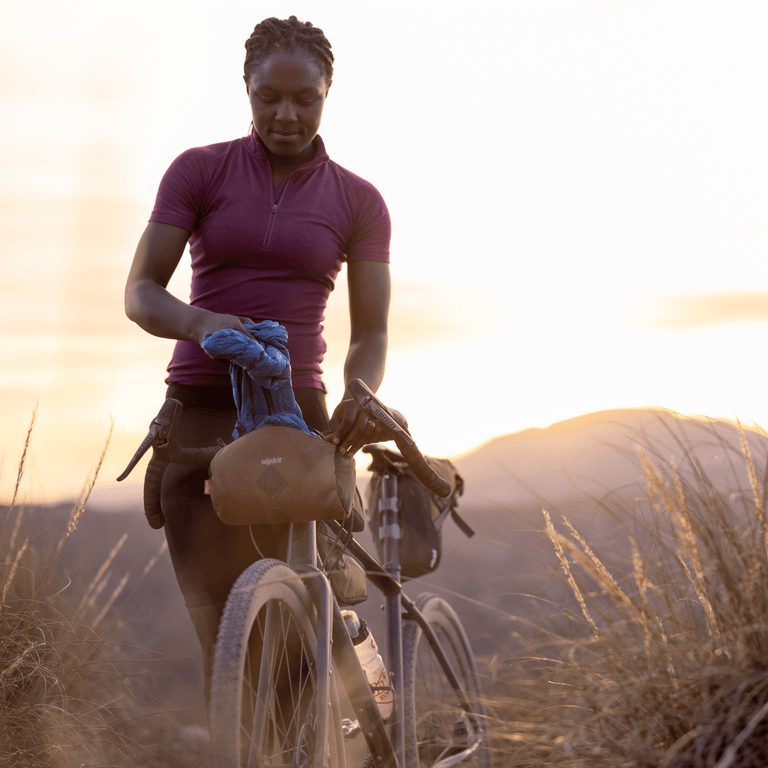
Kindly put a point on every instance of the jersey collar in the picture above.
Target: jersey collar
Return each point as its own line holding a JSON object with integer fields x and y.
{"x": 253, "y": 142}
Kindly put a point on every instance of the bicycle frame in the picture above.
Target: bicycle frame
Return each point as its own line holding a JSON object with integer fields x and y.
{"x": 385, "y": 741}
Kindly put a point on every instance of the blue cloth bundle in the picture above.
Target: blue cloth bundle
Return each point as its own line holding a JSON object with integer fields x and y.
{"x": 258, "y": 366}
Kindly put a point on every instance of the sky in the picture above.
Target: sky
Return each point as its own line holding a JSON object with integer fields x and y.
{"x": 578, "y": 194}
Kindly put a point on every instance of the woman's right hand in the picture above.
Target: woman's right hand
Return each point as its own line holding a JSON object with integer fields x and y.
{"x": 212, "y": 322}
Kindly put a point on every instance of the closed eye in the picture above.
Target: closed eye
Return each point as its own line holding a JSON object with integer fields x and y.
{"x": 305, "y": 100}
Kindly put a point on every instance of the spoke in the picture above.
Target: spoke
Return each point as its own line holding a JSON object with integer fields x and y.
{"x": 294, "y": 681}
{"x": 437, "y": 709}
{"x": 306, "y": 672}
{"x": 277, "y": 708}
{"x": 285, "y": 677}
{"x": 265, "y": 738}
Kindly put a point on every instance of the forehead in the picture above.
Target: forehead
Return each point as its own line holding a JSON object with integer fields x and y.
{"x": 289, "y": 70}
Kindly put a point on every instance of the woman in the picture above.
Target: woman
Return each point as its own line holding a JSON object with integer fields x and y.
{"x": 270, "y": 219}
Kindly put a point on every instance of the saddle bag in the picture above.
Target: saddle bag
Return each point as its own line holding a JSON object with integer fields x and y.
{"x": 279, "y": 474}
{"x": 421, "y": 517}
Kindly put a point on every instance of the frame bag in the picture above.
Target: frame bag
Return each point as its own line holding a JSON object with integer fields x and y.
{"x": 346, "y": 574}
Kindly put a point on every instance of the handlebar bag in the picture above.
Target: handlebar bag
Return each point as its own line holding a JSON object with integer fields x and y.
{"x": 420, "y": 519}
{"x": 280, "y": 474}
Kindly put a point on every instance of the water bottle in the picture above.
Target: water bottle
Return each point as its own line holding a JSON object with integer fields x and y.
{"x": 370, "y": 660}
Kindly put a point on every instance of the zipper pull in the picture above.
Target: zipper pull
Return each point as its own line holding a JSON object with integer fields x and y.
{"x": 274, "y": 208}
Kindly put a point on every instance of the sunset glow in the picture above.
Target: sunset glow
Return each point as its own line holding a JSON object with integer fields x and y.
{"x": 577, "y": 192}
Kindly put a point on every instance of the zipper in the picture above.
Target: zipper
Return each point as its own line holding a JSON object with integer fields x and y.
{"x": 273, "y": 215}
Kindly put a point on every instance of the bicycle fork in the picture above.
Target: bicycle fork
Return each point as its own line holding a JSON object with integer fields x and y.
{"x": 303, "y": 548}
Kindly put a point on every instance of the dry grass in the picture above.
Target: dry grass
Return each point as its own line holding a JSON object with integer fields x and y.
{"x": 666, "y": 660}
{"x": 63, "y": 700}
{"x": 659, "y": 658}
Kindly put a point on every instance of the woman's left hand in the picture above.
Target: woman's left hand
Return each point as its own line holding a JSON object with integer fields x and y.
{"x": 351, "y": 428}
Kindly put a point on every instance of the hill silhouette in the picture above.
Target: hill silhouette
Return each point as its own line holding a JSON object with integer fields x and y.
{"x": 587, "y": 468}
{"x": 598, "y": 453}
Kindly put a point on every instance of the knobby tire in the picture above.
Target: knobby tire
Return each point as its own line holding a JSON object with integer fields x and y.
{"x": 434, "y": 719}
{"x": 262, "y": 704}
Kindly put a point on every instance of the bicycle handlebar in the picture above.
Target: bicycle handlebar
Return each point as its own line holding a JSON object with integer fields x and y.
{"x": 166, "y": 449}
{"x": 403, "y": 440}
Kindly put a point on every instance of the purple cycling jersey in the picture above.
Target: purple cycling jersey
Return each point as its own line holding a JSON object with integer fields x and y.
{"x": 267, "y": 253}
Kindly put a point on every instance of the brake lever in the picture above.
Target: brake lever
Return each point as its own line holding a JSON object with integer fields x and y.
{"x": 368, "y": 401}
{"x": 403, "y": 440}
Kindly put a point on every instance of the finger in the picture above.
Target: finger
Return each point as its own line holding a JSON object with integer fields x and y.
{"x": 363, "y": 432}
{"x": 370, "y": 435}
{"x": 242, "y": 328}
{"x": 342, "y": 432}
{"x": 352, "y": 442}
{"x": 378, "y": 435}
{"x": 343, "y": 420}
{"x": 336, "y": 417}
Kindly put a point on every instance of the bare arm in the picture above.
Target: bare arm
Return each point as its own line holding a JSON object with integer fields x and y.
{"x": 369, "y": 294}
{"x": 151, "y": 306}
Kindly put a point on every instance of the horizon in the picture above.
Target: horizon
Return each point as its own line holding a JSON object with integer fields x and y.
{"x": 583, "y": 238}
{"x": 112, "y": 497}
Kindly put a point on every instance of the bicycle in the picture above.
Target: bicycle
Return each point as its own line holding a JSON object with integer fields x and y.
{"x": 284, "y": 651}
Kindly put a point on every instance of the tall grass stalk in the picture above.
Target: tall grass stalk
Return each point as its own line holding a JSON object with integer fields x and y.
{"x": 660, "y": 659}
{"x": 77, "y": 510}
{"x": 567, "y": 571}
{"x": 21, "y": 467}
{"x": 102, "y": 570}
{"x": 85, "y": 493}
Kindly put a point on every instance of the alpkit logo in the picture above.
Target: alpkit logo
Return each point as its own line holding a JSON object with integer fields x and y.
{"x": 276, "y": 460}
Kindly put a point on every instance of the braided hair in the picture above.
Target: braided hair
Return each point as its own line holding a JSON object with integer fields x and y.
{"x": 273, "y": 35}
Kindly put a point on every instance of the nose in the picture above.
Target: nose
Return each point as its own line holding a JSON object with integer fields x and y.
{"x": 286, "y": 111}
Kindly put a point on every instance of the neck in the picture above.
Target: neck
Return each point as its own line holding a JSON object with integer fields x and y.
{"x": 284, "y": 165}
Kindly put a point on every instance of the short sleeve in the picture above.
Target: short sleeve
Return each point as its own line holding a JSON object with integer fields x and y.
{"x": 372, "y": 229}
{"x": 179, "y": 198}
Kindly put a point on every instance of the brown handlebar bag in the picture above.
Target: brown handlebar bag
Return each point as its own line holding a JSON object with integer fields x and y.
{"x": 278, "y": 474}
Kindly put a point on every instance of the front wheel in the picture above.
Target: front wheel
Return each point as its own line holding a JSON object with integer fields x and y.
{"x": 438, "y": 725}
{"x": 264, "y": 705}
